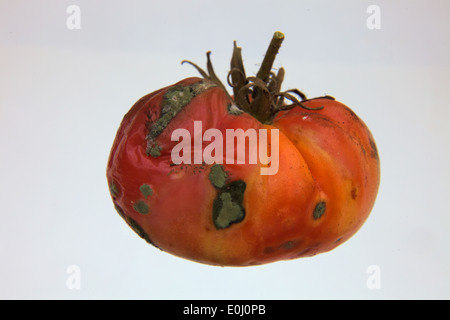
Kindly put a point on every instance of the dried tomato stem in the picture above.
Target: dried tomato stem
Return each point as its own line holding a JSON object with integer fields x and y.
{"x": 259, "y": 96}
{"x": 269, "y": 58}
{"x": 237, "y": 71}
{"x": 262, "y": 98}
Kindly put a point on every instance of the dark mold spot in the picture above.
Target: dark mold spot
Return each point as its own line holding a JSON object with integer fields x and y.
{"x": 153, "y": 148}
{"x": 146, "y": 190}
{"x": 319, "y": 210}
{"x": 120, "y": 211}
{"x": 217, "y": 176}
{"x": 289, "y": 244}
{"x": 134, "y": 225}
{"x": 137, "y": 228}
{"x": 227, "y": 207}
{"x": 141, "y": 207}
{"x": 175, "y": 99}
{"x": 284, "y": 246}
{"x": 140, "y": 232}
{"x": 113, "y": 189}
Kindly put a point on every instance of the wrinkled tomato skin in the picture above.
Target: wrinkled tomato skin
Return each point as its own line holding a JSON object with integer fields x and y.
{"x": 323, "y": 191}
{"x": 343, "y": 158}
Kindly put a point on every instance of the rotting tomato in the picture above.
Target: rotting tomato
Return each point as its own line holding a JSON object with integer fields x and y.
{"x": 226, "y": 212}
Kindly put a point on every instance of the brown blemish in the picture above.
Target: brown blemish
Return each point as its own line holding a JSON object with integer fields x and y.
{"x": 187, "y": 169}
{"x": 374, "y": 150}
{"x": 268, "y": 250}
{"x": 353, "y": 115}
{"x": 308, "y": 252}
{"x": 354, "y": 193}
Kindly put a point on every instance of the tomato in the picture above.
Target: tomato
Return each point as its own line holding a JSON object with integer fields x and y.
{"x": 246, "y": 179}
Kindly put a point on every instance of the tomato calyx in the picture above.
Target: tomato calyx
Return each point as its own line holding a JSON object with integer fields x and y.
{"x": 261, "y": 95}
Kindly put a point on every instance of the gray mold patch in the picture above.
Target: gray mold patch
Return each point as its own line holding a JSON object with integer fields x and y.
{"x": 174, "y": 101}
{"x": 228, "y": 207}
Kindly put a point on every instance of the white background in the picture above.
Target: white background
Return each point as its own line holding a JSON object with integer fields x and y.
{"x": 64, "y": 92}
